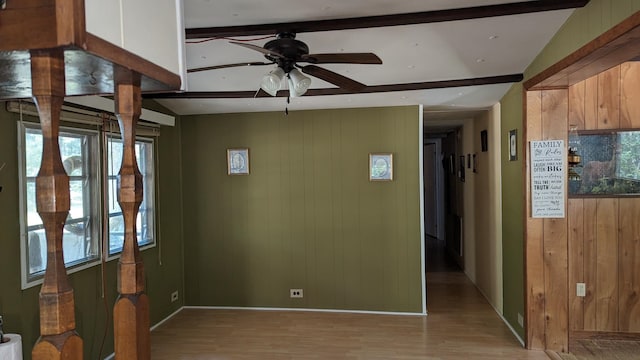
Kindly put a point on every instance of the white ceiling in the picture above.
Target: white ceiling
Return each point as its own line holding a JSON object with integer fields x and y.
{"x": 410, "y": 53}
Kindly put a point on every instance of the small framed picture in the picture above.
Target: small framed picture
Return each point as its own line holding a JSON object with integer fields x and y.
{"x": 513, "y": 145}
{"x": 238, "y": 161}
{"x": 380, "y": 167}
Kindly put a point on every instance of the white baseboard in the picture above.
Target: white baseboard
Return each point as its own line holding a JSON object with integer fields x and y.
{"x": 113, "y": 355}
{"x": 307, "y": 309}
{"x": 167, "y": 318}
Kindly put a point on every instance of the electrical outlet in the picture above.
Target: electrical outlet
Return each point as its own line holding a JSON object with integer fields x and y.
{"x": 581, "y": 290}
{"x": 174, "y": 296}
{"x": 296, "y": 293}
{"x": 520, "y": 320}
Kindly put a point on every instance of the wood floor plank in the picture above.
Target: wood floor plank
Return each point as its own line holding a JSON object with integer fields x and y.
{"x": 460, "y": 325}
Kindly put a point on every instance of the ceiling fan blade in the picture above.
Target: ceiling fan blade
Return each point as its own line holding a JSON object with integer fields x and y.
{"x": 342, "y": 58}
{"x": 334, "y": 78}
{"x": 228, "y": 66}
{"x": 258, "y": 49}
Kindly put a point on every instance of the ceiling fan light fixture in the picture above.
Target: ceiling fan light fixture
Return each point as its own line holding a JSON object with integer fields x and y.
{"x": 271, "y": 82}
{"x": 298, "y": 83}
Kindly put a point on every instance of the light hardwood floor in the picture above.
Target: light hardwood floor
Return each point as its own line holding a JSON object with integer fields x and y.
{"x": 460, "y": 325}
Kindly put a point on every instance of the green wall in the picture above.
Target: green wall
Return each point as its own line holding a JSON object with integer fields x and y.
{"x": 306, "y": 216}
{"x": 163, "y": 264}
{"x": 584, "y": 25}
{"x": 512, "y": 211}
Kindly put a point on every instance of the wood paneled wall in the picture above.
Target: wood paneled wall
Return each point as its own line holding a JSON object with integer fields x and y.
{"x": 598, "y": 242}
{"x": 604, "y": 235}
{"x": 604, "y": 253}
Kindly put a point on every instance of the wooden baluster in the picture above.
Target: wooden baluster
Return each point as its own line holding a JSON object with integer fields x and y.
{"x": 131, "y": 313}
{"x": 58, "y": 338}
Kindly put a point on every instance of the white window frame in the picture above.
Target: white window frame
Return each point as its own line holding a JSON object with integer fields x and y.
{"x": 28, "y": 280}
{"x": 152, "y": 197}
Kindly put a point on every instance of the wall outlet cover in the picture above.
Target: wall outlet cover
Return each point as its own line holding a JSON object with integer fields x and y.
{"x": 296, "y": 293}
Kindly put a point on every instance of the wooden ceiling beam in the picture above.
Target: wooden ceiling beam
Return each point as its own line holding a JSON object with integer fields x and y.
{"x": 424, "y": 17}
{"x": 501, "y": 79}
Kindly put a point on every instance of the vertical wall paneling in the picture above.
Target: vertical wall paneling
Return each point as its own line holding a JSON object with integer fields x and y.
{"x": 577, "y": 106}
{"x": 629, "y": 258}
{"x": 603, "y": 240}
{"x": 590, "y": 263}
{"x": 554, "y": 126}
{"x": 609, "y": 99}
{"x": 575, "y": 218}
{"x": 630, "y": 95}
{"x": 607, "y": 263}
{"x": 307, "y": 215}
{"x": 591, "y": 103}
{"x": 534, "y": 269}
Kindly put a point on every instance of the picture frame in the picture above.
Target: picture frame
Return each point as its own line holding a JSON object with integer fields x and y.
{"x": 513, "y": 145}
{"x": 238, "y": 161}
{"x": 380, "y": 167}
{"x": 484, "y": 140}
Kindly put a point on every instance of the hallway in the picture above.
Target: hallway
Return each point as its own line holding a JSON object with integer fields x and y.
{"x": 460, "y": 325}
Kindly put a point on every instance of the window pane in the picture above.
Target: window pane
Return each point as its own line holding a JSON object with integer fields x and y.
{"x": 112, "y": 204}
{"x": 71, "y": 153}
{"x": 77, "y": 192}
{"x": 33, "y": 151}
{"x": 76, "y": 242}
{"x": 33, "y": 218}
{"x": 37, "y": 244}
{"x": 114, "y": 148}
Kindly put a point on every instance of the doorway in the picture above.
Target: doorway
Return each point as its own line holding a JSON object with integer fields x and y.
{"x": 439, "y": 188}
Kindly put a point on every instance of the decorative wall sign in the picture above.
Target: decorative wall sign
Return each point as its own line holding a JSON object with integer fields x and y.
{"x": 547, "y": 179}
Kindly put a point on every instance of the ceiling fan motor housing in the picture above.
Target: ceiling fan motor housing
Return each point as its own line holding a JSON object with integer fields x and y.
{"x": 289, "y": 47}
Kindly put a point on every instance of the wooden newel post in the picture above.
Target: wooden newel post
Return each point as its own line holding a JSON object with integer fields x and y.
{"x": 131, "y": 313}
{"x": 58, "y": 338}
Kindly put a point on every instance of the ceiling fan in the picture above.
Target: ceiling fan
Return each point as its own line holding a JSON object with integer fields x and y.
{"x": 286, "y": 52}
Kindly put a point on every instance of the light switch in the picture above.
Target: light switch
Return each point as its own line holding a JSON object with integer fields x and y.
{"x": 581, "y": 290}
